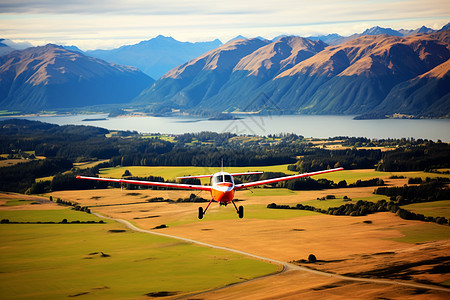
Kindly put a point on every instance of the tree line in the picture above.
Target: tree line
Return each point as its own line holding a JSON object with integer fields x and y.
{"x": 431, "y": 190}
{"x": 19, "y": 177}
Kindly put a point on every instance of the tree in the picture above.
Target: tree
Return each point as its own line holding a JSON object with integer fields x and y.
{"x": 312, "y": 258}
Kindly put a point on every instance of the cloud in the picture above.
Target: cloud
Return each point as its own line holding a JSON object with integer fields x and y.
{"x": 106, "y": 23}
{"x": 131, "y": 7}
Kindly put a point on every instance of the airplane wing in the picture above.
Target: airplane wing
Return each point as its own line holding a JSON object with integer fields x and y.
{"x": 151, "y": 183}
{"x": 211, "y": 175}
{"x": 273, "y": 180}
{"x": 246, "y": 173}
{"x": 195, "y": 176}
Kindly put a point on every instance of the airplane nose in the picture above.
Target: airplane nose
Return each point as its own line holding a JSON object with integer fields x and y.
{"x": 223, "y": 196}
{"x": 220, "y": 195}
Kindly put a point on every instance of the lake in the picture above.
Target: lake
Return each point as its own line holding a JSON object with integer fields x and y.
{"x": 305, "y": 125}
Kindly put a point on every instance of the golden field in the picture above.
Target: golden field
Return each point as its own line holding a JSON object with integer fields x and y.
{"x": 380, "y": 245}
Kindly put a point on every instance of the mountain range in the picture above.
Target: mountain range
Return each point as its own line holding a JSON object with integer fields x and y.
{"x": 51, "y": 77}
{"x": 371, "y": 73}
{"x": 336, "y": 39}
{"x": 378, "y": 72}
{"x": 155, "y": 56}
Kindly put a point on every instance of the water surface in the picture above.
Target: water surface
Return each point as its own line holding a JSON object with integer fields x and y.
{"x": 305, "y": 125}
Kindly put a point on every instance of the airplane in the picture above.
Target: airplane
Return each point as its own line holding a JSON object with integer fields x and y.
{"x": 222, "y": 186}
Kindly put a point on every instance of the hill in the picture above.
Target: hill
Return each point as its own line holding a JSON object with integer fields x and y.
{"x": 156, "y": 56}
{"x": 51, "y": 77}
{"x": 299, "y": 75}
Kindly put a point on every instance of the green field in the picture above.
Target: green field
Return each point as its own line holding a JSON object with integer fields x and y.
{"x": 351, "y": 176}
{"x": 425, "y": 232}
{"x": 258, "y": 192}
{"x": 431, "y": 209}
{"x": 163, "y": 137}
{"x": 60, "y": 261}
{"x": 46, "y": 215}
{"x": 325, "y": 204}
{"x": 89, "y": 164}
{"x": 8, "y": 113}
{"x": 19, "y": 202}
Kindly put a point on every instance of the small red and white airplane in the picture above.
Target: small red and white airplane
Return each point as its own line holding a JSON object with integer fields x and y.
{"x": 222, "y": 186}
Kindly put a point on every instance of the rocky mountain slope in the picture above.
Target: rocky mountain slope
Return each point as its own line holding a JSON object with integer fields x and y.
{"x": 51, "y": 77}
{"x": 369, "y": 73}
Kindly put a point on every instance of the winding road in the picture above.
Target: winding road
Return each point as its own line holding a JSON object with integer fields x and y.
{"x": 286, "y": 266}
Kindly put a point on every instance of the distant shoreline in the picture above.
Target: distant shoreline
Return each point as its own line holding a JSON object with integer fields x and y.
{"x": 94, "y": 119}
{"x": 219, "y": 117}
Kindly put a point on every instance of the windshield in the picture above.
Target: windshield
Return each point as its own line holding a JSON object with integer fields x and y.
{"x": 222, "y": 178}
{"x": 227, "y": 178}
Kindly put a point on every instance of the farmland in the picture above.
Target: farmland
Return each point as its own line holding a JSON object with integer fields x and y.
{"x": 104, "y": 261}
{"x": 52, "y": 250}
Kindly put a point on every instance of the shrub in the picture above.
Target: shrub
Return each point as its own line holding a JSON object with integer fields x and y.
{"x": 415, "y": 180}
{"x": 160, "y": 226}
{"x": 312, "y": 258}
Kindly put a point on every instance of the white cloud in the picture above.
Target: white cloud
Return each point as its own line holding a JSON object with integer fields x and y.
{"x": 106, "y": 24}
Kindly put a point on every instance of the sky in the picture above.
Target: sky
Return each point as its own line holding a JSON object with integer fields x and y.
{"x": 107, "y": 24}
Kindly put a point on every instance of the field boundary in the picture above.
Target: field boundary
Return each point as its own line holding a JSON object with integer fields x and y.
{"x": 286, "y": 266}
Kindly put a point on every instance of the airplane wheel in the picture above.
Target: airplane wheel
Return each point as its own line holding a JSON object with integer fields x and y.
{"x": 200, "y": 213}
{"x": 241, "y": 212}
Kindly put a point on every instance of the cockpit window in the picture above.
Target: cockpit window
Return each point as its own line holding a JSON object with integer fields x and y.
{"x": 217, "y": 179}
{"x": 222, "y": 178}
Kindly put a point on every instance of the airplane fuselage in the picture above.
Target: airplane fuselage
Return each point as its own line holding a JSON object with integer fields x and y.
{"x": 222, "y": 187}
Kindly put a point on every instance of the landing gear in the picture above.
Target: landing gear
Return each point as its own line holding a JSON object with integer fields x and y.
{"x": 239, "y": 210}
{"x": 201, "y": 213}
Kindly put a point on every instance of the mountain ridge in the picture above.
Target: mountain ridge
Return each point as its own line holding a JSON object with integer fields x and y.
{"x": 49, "y": 77}
{"x": 351, "y": 78}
